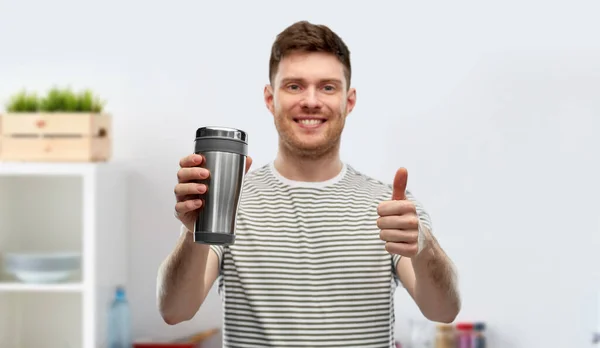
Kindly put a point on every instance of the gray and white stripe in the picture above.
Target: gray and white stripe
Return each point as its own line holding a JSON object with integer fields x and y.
{"x": 308, "y": 268}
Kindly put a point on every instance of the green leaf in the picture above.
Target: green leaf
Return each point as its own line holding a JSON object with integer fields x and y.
{"x": 23, "y": 101}
{"x": 56, "y": 100}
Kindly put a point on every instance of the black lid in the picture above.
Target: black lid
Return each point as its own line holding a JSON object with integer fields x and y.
{"x": 480, "y": 326}
{"x": 221, "y": 132}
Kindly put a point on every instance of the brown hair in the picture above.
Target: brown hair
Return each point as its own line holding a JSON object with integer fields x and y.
{"x": 304, "y": 36}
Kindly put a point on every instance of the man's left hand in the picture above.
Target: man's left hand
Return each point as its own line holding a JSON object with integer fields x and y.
{"x": 398, "y": 220}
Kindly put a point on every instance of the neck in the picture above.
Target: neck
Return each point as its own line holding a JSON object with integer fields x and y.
{"x": 308, "y": 169}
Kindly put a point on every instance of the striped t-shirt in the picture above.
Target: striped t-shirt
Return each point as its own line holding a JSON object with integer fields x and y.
{"x": 308, "y": 268}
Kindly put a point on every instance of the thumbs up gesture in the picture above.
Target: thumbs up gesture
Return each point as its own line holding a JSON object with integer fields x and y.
{"x": 398, "y": 220}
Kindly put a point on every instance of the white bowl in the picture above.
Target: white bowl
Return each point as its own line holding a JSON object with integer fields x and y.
{"x": 42, "y": 267}
{"x": 42, "y": 277}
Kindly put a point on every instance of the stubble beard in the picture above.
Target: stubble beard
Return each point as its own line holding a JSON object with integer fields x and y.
{"x": 294, "y": 147}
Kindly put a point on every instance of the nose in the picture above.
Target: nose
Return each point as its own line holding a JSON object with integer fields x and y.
{"x": 311, "y": 99}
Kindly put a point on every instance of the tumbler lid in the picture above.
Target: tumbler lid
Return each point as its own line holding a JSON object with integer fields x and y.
{"x": 221, "y": 132}
{"x": 221, "y": 139}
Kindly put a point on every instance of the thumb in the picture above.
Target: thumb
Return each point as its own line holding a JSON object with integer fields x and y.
{"x": 399, "y": 192}
{"x": 248, "y": 163}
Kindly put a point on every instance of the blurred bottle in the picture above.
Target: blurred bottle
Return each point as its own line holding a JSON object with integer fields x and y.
{"x": 479, "y": 340}
{"x": 465, "y": 335}
{"x": 445, "y": 336}
{"x": 119, "y": 321}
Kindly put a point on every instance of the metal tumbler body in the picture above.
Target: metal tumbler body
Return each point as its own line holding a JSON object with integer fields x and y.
{"x": 225, "y": 151}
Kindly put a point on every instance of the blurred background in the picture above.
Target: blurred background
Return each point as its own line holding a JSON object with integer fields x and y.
{"x": 492, "y": 106}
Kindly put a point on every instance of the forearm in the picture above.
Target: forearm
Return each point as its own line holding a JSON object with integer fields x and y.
{"x": 180, "y": 283}
{"x": 436, "y": 288}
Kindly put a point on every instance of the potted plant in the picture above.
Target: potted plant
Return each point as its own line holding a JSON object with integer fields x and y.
{"x": 63, "y": 125}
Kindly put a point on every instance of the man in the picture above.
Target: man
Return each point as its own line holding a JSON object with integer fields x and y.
{"x": 319, "y": 246}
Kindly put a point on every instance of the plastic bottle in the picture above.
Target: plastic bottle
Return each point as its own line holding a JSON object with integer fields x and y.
{"x": 465, "y": 335}
{"x": 119, "y": 321}
{"x": 479, "y": 335}
{"x": 445, "y": 337}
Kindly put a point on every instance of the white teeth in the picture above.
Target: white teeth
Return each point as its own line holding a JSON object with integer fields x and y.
{"x": 310, "y": 122}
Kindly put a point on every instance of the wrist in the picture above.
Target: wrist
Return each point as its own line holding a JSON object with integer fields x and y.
{"x": 187, "y": 238}
{"x": 183, "y": 230}
{"x": 425, "y": 240}
{"x": 186, "y": 229}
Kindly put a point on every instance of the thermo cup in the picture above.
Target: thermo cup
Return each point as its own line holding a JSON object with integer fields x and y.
{"x": 225, "y": 151}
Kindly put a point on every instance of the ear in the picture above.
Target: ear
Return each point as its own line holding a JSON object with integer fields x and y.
{"x": 268, "y": 92}
{"x": 350, "y": 100}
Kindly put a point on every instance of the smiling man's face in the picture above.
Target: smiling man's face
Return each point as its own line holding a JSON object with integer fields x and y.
{"x": 310, "y": 100}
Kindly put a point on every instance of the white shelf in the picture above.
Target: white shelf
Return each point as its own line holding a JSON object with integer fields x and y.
{"x": 21, "y": 287}
{"x": 51, "y": 168}
{"x": 62, "y": 207}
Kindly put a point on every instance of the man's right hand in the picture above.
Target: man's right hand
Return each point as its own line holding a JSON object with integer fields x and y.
{"x": 189, "y": 189}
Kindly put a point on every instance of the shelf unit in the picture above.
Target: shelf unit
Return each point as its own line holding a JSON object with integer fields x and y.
{"x": 55, "y": 207}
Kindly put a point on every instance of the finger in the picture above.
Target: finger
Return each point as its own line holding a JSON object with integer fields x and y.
{"x": 192, "y": 160}
{"x": 188, "y": 206}
{"x": 191, "y": 174}
{"x": 248, "y": 163}
{"x": 402, "y": 248}
{"x": 398, "y": 236}
{"x": 387, "y": 208}
{"x": 400, "y": 180}
{"x": 189, "y": 189}
{"x": 187, "y": 198}
{"x": 398, "y": 222}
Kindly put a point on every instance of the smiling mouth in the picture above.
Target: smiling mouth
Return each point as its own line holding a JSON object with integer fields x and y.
{"x": 310, "y": 121}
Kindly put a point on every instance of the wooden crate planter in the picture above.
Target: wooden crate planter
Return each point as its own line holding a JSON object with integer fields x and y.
{"x": 55, "y": 137}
